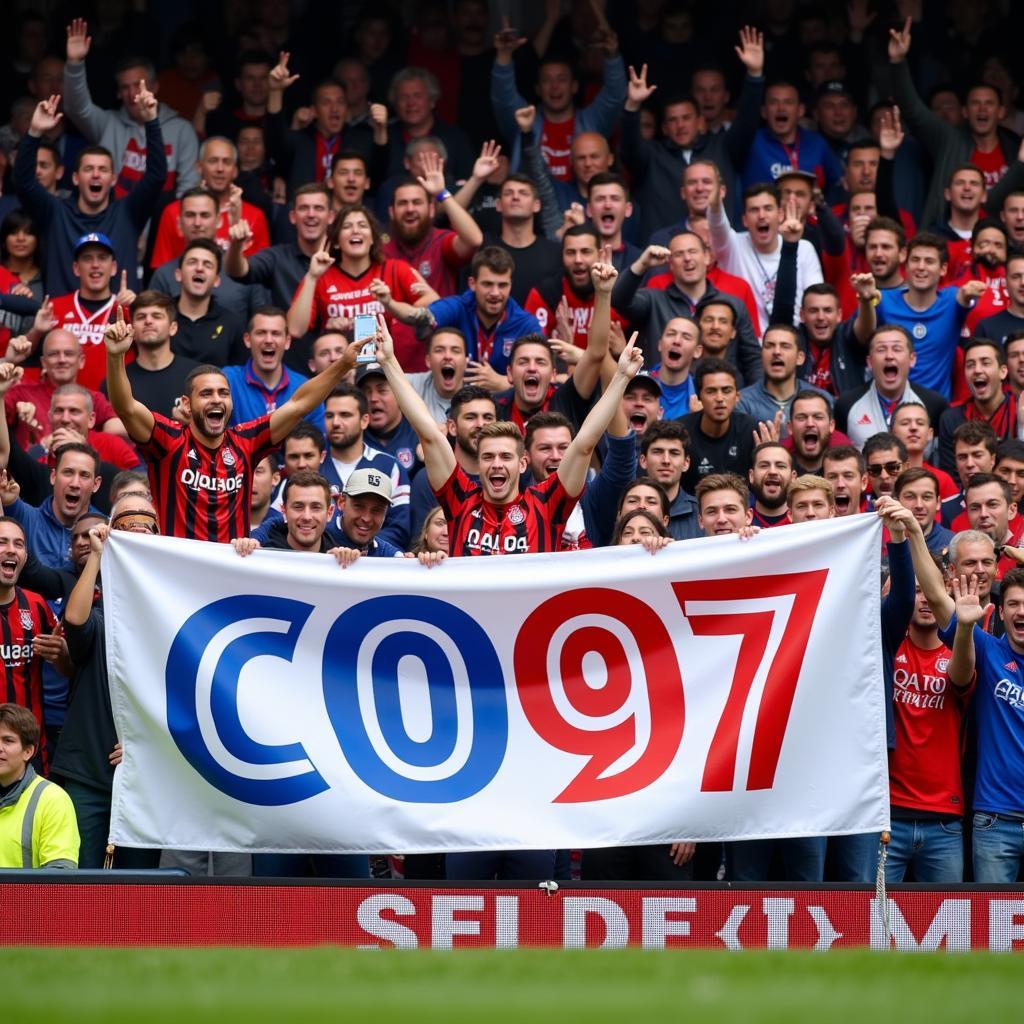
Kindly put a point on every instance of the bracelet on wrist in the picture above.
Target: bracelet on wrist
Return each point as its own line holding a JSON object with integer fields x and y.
{"x": 442, "y": 196}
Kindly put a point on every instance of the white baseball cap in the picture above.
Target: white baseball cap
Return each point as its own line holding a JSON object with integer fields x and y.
{"x": 369, "y": 481}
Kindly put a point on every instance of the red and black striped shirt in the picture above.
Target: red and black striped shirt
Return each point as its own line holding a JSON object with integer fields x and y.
{"x": 532, "y": 523}
{"x": 204, "y": 493}
{"x": 23, "y": 618}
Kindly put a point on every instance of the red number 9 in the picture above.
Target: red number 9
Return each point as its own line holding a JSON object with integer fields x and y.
{"x": 661, "y": 677}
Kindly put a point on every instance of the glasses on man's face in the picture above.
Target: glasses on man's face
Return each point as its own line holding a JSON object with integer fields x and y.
{"x": 889, "y": 468}
{"x": 139, "y": 521}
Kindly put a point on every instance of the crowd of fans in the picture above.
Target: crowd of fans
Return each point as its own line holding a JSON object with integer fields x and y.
{"x": 636, "y": 273}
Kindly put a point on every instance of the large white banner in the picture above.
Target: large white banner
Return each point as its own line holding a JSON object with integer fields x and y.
{"x": 721, "y": 689}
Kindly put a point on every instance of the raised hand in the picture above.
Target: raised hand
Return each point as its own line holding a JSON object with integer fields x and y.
{"x": 320, "y": 262}
{"x": 638, "y": 92}
{"x": 768, "y": 430}
{"x": 26, "y": 412}
{"x": 379, "y": 123}
{"x": 119, "y": 335}
{"x": 864, "y": 286}
{"x": 859, "y": 18}
{"x": 432, "y": 178}
{"x": 9, "y": 376}
{"x": 10, "y": 489}
{"x": 899, "y": 42}
{"x": 573, "y": 216}
{"x": 44, "y": 320}
{"x": 751, "y": 50}
{"x": 125, "y": 296}
{"x": 616, "y": 339}
{"x": 147, "y": 102}
{"x": 969, "y": 609}
{"x": 792, "y": 227}
{"x": 487, "y": 162}
{"x": 525, "y": 116}
{"x": 240, "y": 232}
{"x": 385, "y": 350}
{"x": 632, "y": 359}
{"x": 302, "y": 118}
{"x": 79, "y": 41}
{"x": 280, "y": 79}
{"x": 98, "y": 537}
{"x": 45, "y": 117}
{"x": 899, "y": 521}
{"x": 507, "y": 41}
{"x": 890, "y": 133}
{"x": 654, "y": 256}
{"x": 234, "y": 204}
{"x": 18, "y": 349}
{"x": 564, "y": 324}
{"x": 604, "y": 276}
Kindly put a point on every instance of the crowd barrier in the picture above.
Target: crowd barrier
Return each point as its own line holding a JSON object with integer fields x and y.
{"x": 131, "y": 909}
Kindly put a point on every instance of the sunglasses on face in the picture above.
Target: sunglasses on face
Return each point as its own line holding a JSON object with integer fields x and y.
{"x": 889, "y": 468}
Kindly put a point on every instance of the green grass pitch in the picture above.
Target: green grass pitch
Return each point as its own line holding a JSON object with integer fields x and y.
{"x": 191, "y": 986}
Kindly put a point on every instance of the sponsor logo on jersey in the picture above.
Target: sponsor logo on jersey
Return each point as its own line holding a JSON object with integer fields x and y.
{"x": 15, "y": 654}
{"x": 1010, "y": 692}
{"x": 205, "y": 482}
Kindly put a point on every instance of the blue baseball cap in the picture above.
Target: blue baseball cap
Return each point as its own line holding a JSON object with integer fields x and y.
{"x": 94, "y": 238}
{"x": 644, "y": 379}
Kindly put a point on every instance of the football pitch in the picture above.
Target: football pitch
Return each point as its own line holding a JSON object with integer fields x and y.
{"x": 487, "y": 986}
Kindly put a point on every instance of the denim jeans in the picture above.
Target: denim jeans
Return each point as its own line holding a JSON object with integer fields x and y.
{"x": 998, "y": 848}
{"x": 934, "y": 850}
{"x": 801, "y": 860}
{"x": 511, "y": 865}
{"x": 92, "y": 809}
{"x": 852, "y": 858}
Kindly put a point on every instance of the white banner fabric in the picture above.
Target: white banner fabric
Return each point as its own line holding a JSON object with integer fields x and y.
{"x": 722, "y": 689}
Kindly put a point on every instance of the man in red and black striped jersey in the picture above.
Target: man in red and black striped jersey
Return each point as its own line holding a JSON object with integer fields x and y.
{"x": 26, "y": 628}
{"x": 201, "y": 473}
{"x": 494, "y": 517}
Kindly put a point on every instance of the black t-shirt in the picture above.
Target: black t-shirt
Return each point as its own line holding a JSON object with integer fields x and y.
{"x": 215, "y": 338}
{"x": 730, "y": 453}
{"x": 160, "y": 390}
{"x": 998, "y": 326}
{"x": 540, "y": 261}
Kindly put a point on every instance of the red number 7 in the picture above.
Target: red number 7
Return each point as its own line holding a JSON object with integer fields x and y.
{"x": 780, "y": 685}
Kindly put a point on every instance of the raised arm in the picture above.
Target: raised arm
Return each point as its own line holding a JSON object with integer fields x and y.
{"x": 930, "y": 129}
{"x": 866, "y": 319}
{"x": 137, "y": 419}
{"x": 80, "y": 600}
{"x": 9, "y": 376}
{"x": 438, "y": 457}
{"x": 572, "y": 470}
{"x": 925, "y": 569}
{"x": 35, "y": 198}
{"x": 588, "y": 368}
{"x": 468, "y": 236}
{"x": 141, "y": 201}
{"x": 300, "y": 312}
{"x": 311, "y": 394}
{"x": 969, "y": 613}
{"x": 89, "y": 118}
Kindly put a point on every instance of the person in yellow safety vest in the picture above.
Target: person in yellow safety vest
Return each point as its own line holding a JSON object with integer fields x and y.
{"x": 38, "y": 828}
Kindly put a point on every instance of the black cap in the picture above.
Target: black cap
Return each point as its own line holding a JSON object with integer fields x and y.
{"x": 833, "y": 87}
{"x": 369, "y": 370}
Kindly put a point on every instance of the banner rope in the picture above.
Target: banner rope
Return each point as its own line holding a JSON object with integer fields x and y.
{"x": 881, "y": 896}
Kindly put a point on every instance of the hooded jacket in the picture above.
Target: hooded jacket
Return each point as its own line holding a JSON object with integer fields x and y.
{"x": 115, "y": 130}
